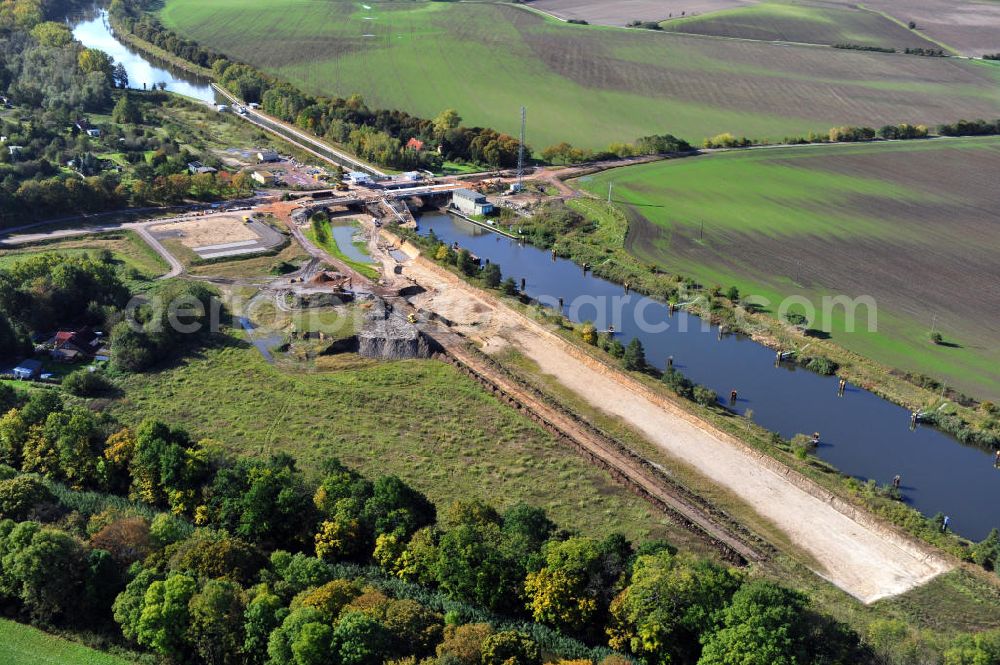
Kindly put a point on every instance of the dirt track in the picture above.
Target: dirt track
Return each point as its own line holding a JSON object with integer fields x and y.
{"x": 861, "y": 557}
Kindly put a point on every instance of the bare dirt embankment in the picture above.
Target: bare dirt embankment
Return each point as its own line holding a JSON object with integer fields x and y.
{"x": 850, "y": 549}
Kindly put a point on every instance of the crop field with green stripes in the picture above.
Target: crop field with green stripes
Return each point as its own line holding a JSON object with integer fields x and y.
{"x": 820, "y": 22}
{"x": 588, "y": 85}
{"x": 914, "y": 225}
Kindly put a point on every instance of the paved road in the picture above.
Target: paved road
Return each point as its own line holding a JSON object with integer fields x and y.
{"x": 176, "y": 268}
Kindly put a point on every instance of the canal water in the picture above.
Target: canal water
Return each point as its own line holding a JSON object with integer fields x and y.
{"x": 861, "y": 434}
{"x": 91, "y": 29}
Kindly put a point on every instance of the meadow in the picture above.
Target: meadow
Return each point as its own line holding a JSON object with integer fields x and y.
{"x": 587, "y": 85}
{"x": 804, "y": 22}
{"x": 126, "y": 247}
{"x": 419, "y": 419}
{"x": 24, "y": 645}
{"x": 913, "y": 225}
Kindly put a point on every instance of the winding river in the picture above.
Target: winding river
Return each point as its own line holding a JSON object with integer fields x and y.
{"x": 861, "y": 434}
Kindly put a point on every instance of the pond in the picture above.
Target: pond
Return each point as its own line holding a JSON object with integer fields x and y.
{"x": 344, "y": 234}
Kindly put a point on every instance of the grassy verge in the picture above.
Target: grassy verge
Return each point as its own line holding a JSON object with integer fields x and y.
{"x": 24, "y": 645}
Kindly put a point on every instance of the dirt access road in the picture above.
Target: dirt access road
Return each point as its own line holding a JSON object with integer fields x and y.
{"x": 849, "y": 549}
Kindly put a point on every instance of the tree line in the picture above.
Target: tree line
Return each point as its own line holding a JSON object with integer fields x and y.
{"x": 857, "y": 134}
{"x": 210, "y": 559}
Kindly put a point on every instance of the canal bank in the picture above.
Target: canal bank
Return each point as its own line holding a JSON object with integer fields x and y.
{"x": 863, "y": 556}
{"x": 861, "y": 434}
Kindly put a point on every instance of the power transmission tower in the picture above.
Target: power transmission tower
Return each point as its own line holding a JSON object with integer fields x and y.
{"x": 520, "y": 151}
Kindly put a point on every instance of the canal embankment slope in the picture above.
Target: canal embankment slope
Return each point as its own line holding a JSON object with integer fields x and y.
{"x": 852, "y": 550}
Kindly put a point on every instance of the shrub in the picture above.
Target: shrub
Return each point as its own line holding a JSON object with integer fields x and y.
{"x": 20, "y": 495}
{"x": 492, "y": 275}
{"x": 796, "y": 319}
{"x": 727, "y": 140}
{"x": 466, "y": 263}
{"x": 679, "y": 383}
{"x": 634, "y": 356}
{"x": 85, "y": 383}
{"x": 8, "y": 398}
{"x": 704, "y": 395}
{"x": 821, "y": 365}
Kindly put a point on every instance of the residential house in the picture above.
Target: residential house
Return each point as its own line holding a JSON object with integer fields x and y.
{"x": 263, "y": 177}
{"x": 69, "y": 346}
{"x": 415, "y": 144}
{"x": 194, "y": 168}
{"x": 28, "y": 369}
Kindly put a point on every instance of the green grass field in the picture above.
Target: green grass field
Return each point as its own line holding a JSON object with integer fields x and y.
{"x": 126, "y": 247}
{"x": 587, "y": 85}
{"x": 913, "y": 225}
{"x": 422, "y": 420}
{"x": 24, "y": 645}
{"x": 805, "y": 22}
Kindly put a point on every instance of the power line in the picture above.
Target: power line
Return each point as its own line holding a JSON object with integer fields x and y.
{"x": 520, "y": 151}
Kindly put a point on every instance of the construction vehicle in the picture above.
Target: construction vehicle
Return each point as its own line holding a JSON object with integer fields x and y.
{"x": 411, "y": 317}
